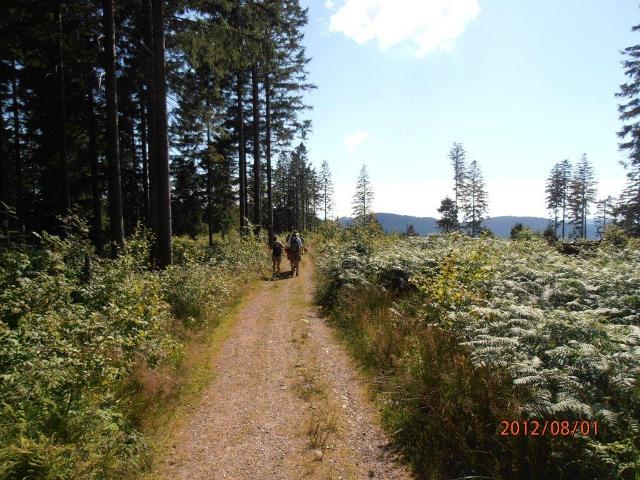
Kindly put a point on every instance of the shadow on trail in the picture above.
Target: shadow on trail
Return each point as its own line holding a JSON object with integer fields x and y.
{"x": 279, "y": 276}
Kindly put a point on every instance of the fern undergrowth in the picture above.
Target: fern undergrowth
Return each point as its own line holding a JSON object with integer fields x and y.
{"x": 463, "y": 333}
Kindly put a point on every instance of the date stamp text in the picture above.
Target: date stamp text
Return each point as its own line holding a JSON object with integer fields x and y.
{"x": 553, "y": 428}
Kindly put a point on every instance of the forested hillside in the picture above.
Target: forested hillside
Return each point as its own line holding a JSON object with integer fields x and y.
{"x": 500, "y": 226}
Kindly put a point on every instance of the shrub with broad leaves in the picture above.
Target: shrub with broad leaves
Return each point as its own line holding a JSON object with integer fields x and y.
{"x": 73, "y": 329}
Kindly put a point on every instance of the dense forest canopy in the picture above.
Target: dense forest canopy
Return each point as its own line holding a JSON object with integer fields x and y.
{"x": 168, "y": 114}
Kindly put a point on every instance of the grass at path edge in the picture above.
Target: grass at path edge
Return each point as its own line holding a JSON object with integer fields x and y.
{"x": 194, "y": 374}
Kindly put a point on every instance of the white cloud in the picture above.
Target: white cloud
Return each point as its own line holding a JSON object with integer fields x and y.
{"x": 352, "y": 140}
{"x": 428, "y": 25}
{"x": 329, "y": 4}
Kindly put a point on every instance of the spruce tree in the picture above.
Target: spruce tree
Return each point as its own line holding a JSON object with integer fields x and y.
{"x": 554, "y": 195}
{"x": 112, "y": 137}
{"x": 605, "y": 214}
{"x": 457, "y": 155}
{"x": 362, "y": 204}
{"x": 474, "y": 204}
{"x": 4, "y": 172}
{"x": 448, "y": 222}
{"x": 629, "y": 135}
{"x": 582, "y": 193}
{"x": 557, "y": 193}
{"x": 188, "y": 132}
{"x": 326, "y": 189}
{"x": 51, "y": 60}
{"x": 163, "y": 235}
{"x": 629, "y": 202}
{"x": 564, "y": 172}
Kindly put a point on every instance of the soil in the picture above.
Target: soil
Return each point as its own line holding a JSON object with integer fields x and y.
{"x": 285, "y": 400}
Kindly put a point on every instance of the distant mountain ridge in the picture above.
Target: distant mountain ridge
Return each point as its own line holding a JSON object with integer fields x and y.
{"x": 500, "y": 226}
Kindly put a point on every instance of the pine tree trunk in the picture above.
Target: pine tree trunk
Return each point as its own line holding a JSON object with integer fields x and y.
{"x": 161, "y": 141}
{"x": 303, "y": 200}
{"x": 96, "y": 201}
{"x": 145, "y": 155}
{"x": 257, "y": 197}
{"x": 473, "y": 215}
{"x": 242, "y": 168}
{"x": 17, "y": 163}
{"x": 267, "y": 94}
{"x": 112, "y": 141}
{"x": 564, "y": 206}
{"x": 209, "y": 174}
{"x": 147, "y": 28}
{"x": 296, "y": 203}
{"x": 325, "y": 199}
{"x": 135, "y": 171}
{"x": 62, "y": 123}
{"x": 584, "y": 213}
{"x": 314, "y": 204}
{"x": 4, "y": 169}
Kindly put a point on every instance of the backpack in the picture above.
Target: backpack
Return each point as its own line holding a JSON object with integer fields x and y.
{"x": 295, "y": 244}
{"x": 277, "y": 249}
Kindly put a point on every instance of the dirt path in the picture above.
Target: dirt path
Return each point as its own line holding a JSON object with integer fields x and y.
{"x": 285, "y": 401}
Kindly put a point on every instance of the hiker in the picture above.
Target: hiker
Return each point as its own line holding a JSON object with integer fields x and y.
{"x": 303, "y": 250}
{"x": 276, "y": 255}
{"x": 287, "y": 245}
{"x": 294, "y": 252}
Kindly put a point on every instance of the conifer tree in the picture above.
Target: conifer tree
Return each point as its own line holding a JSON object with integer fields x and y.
{"x": 362, "y": 204}
{"x": 629, "y": 208}
{"x": 605, "y": 214}
{"x": 457, "y": 155}
{"x": 565, "y": 172}
{"x": 582, "y": 193}
{"x": 448, "y": 222}
{"x": 257, "y": 183}
{"x": 629, "y": 202}
{"x": 326, "y": 189}
{"x": 296, "y": 191}
{"x": 62, "y": 116}
{"x": 474, "y": 204}
{"x": 45, "y": 69}
{"x": 557, "y": 193}
{"x": 163, "y": 235}
{"x": 554, "y": 195}
{"x": 189, "y": 190}
{"x": 285, "y": 79}
{"x": 112, "y": 137}
{"x": 4, "y": 171}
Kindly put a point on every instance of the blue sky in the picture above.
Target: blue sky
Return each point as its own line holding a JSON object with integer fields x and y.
{"x": 521, "y": 84}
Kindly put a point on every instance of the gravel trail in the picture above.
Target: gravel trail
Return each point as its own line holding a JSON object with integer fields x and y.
{"x": 285, "y": 401}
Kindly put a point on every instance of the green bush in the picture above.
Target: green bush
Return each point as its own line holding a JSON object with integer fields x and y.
{"x": 73, "y": 329}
